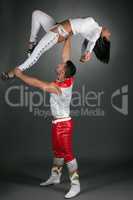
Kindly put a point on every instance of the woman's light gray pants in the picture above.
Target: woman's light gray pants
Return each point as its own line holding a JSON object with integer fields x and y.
{"x": 40, "y": 19}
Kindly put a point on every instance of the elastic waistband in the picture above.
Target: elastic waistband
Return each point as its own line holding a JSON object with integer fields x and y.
{"x": 62, "y": 31}
{"x": 73, "y": 31}
{"x": 61, "y": 120}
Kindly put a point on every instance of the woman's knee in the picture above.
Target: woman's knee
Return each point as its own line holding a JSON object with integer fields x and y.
{"x": 36, "y": 13}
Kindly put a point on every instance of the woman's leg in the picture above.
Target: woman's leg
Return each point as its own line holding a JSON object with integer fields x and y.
{"x": 40, "y": 19}
{"x": 48, "y": 41}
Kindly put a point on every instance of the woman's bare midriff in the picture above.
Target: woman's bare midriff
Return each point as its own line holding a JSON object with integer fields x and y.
{"x": 67, "y": 26}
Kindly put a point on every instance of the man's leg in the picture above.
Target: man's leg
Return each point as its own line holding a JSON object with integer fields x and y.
{"x": 58, "y": 160}
{"x": 74, "y": 178}
{"x": 70, "y": 160}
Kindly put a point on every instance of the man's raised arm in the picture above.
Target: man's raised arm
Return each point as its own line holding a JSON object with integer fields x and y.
{"x": 66, "y": 51}
{"x": 48, "y": 87}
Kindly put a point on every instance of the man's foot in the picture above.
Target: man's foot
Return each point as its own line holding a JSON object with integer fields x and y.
{"x": 32, "y": 46}
{"x": 51, "y": 181}
{"x": 6, "y": 76}
{"x": 54, "y": 178}
{"x": 73, "y": 192}
{"x": 75, "y": 186}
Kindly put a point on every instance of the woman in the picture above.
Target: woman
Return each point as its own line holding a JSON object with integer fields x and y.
{"x": 96, "y": 39}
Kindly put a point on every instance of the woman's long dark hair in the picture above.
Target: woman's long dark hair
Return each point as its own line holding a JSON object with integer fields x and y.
{"x": 102, "y": 49}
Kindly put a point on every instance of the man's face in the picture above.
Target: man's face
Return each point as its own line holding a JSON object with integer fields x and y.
{"x": 60, "y": 69}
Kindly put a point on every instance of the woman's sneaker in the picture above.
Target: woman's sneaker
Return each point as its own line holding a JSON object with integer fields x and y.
{"x": 6, "y": 76}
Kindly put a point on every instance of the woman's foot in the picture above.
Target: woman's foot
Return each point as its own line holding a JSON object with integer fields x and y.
{"x": 7, "y": 75}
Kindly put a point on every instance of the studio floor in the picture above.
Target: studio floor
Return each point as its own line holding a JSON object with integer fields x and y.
{"x": 98, "y": 182}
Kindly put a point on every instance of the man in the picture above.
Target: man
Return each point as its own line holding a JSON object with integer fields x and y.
{"x": 96, "y": 39}
{"x": 62, "y": 124}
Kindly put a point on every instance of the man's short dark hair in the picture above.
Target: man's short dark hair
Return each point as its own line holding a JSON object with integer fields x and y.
{"x": 102, "y": 49}
{"x": 70, "y": 69}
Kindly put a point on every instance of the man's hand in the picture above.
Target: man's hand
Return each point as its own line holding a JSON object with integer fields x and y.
{"x": 86, "y": 57}
{"x": 17, "y": 72}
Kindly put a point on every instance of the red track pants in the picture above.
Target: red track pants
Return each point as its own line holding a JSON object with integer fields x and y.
{"x": 62, "y": 140}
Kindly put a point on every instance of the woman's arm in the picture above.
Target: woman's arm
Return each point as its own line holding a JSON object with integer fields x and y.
{"x": 48, "y": 87}
{"x": 85, "y": 54}
{"x": 88, "y": 46}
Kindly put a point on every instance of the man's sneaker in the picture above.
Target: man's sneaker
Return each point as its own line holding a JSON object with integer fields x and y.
{"x": 31, "y": 48}
{"x": 54, "y": 178}
{"x": 75, "y": 186}
{"x": 6, "y": 76}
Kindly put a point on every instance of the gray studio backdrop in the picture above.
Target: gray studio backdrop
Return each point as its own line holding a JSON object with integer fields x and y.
{"x": 101, "y": 119}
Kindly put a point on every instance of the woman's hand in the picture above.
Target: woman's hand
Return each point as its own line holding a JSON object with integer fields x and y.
{"x": 86, "y": 57}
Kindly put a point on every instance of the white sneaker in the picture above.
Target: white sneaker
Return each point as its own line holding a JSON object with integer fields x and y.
{"x": 54, "y": 178}
{"x": 74, "y": 191}
{"x": 75, "y": 186}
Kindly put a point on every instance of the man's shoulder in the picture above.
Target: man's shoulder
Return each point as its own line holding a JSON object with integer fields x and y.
{"x": 68, "y": 82}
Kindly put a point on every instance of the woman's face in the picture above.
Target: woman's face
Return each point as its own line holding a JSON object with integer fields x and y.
{"x": 106, "y": 33}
